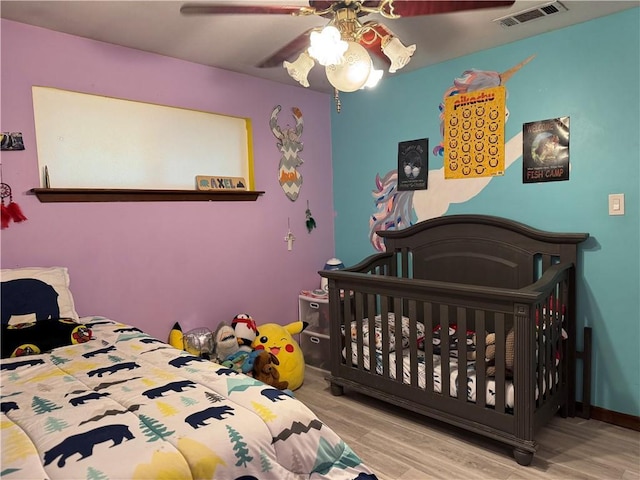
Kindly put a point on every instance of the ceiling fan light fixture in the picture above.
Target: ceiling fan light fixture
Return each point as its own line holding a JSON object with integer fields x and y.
{"x": 353, "y": 72}
{"x": 299, "y": 69}
{"x": 397, "y": 52}
{"x": 373, "y": 79}
{"x": 327, "y": 46}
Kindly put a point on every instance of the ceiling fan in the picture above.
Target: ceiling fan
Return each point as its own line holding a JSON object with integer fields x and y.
{"x": 344, "y": 44}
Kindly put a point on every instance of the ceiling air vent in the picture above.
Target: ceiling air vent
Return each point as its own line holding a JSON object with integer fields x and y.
{"x": 540, "y": 11}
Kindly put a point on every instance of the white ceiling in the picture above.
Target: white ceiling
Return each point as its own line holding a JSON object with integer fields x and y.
{"x": 239, "y": 42}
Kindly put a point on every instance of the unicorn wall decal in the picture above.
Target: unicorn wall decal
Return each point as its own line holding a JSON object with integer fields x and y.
{"x": 396, "y": 209}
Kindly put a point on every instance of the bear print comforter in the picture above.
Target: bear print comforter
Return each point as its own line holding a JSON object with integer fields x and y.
{"x": 128, "y": 406}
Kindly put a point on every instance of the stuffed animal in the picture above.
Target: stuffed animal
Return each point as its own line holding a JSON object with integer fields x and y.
{"x": 245, "y": 330}
{"x": 241, "y": 361}
{"x": 264, "y": 369}
{"x": 225, "y": 343}
{"x": 175, "y": 337}
{"x": 509, "y": 354}
{"x": 278, "y": 340}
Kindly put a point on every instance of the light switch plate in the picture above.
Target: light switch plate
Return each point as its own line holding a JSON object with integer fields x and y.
{"x": 616, "y": 204}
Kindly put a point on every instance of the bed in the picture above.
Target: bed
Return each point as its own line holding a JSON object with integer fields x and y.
{"x": 468, "y": 319}
{"x": 93, "y": 398}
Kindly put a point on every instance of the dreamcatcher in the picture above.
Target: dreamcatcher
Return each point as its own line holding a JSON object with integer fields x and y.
{"x": 11, "y": 211}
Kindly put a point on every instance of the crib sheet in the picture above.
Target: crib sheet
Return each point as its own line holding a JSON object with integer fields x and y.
{"x": 437, "y": 369}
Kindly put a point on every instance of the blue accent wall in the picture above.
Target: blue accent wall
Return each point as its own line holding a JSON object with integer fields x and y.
{"x": 589, "y": 72}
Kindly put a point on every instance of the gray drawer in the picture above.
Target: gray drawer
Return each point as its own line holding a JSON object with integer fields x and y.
{"x": 315, "y": 347}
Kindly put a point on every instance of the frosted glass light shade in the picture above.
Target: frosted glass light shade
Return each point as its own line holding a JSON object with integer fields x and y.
{"x": 326, "y": 46}
{"x": 374, "y": 78}
{"x": 397, "y": 52}
{"x": 299, "y": 70}
{"x": 352, "y": 73}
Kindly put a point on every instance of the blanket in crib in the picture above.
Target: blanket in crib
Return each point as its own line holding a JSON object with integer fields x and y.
{"x": 490, "y": 382}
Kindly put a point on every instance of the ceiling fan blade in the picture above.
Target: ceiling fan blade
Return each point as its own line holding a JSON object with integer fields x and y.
{"x": 229, "y": 8}
{"x": 290, "y": 50}
{"x": 414, "y": 8}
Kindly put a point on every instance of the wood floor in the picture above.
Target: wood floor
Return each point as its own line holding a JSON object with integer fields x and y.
{"x": 400, "y": 445}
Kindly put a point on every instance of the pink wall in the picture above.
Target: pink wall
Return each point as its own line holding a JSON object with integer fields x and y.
{"x": 151, "y": 264}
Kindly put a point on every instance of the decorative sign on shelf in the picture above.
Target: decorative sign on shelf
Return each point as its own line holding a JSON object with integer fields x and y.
{"x": 206, "y": 182}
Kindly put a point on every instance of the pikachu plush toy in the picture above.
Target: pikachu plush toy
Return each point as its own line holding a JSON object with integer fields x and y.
{"x": 278, "y": 339}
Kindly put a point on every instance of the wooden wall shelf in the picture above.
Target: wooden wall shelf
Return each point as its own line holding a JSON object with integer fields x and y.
{"x": 52, "y": 195}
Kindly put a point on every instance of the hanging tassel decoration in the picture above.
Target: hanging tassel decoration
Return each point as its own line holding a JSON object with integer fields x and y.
{"x": 15, "y": 211}
{"x": 310, "y": 222}
{"x": 6, "y": 216}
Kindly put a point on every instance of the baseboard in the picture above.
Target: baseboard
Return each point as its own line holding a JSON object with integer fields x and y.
{"x": 615, "y": 418}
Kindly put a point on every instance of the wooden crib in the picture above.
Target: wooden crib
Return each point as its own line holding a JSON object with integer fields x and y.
{"x": 489, "y": 290}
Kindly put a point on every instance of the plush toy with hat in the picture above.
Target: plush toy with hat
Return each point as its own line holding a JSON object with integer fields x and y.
{"x": 278, "y": 340}
{"x": 244, "y": 328}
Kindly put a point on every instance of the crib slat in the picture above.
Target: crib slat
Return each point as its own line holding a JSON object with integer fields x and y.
{"x": 540, "y": 315}
{"x": 500, "y": 378}
{"x": 413, "y": 344}
{"x": 371, "y": 339}
{"x": 345, "y": 323}
{"x": 397, "y": 307}
{"x": 481, "y": 368}
{"x": 404, "y": 259}
{"x": 461, "y": 321}
{"x": 358, "y": 324}
{"x": 445, "y": 375}
{"x": 544, "y": 352}
{"x": 549, "y": 348}
{"x": 384, "y": 325}
{"x": 563, "y": 368}
{"x": 428, "y": 346}
{"x": 555, "y": 337}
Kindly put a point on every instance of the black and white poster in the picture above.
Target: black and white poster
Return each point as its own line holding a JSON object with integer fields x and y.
{"x": 413, "y": 164}
{"x": 11, "y": 141}
{"x": 545, "y": 150}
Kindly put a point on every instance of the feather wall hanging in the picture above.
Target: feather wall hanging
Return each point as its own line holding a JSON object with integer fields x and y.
{"x": 310, "y": 221}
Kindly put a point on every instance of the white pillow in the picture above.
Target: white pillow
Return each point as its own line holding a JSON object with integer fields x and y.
{"x": 57, "y": 277}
